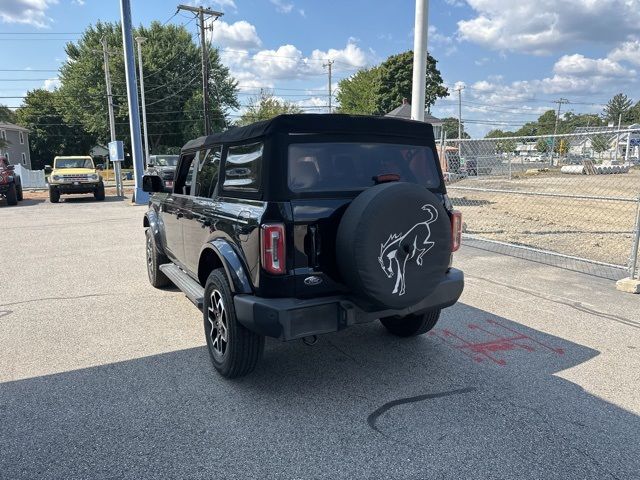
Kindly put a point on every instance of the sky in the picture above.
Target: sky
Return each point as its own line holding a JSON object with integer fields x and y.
{"x": 513, "y": 57}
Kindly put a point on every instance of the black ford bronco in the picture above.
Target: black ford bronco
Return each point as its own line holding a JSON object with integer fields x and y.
{"x": 303, "y": 225}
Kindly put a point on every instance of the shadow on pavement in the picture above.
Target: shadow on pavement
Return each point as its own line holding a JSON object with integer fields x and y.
{"x": 476, "y": 399}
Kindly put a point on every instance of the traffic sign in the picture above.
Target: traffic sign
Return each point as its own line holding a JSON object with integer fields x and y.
{"x": 116, "y": 151}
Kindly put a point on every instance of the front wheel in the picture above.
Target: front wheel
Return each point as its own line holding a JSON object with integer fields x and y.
{"x": 234, "y": 350}
{"x": 154, "y": 259}
{"x": 12, "y": 195}
{"x": 54, "y": 195}
{"x": 411, "y": 325}
{"x": 99, "y": 192}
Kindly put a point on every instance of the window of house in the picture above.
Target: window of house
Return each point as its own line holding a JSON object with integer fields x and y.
{"x": 24, "y": 159}
{"x": 3, "y": 134}
{"x": 208, "y": 169}
{"x": 243, "y": 167}
{"x": 21, "y": 138}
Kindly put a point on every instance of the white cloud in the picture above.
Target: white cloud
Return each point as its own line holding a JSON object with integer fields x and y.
{"x": 437, "y": 39}
{"x": 51, "y": 84}
{"x": 219, "y": 4}
{"x": 239, "y": 35}
{"x": 302, "y": 12}
{"x": 282, "y": 6}
{"x": 545, "y": 26}
{"x": 80, "y": 3}
{"x": 627, "y": 52}
{"x": 30, "y": 12}
{"x": 581, "y": 66}
{"x": 455, "y": 3}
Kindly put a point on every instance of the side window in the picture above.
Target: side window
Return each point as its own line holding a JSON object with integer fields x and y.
{"x": 184, "y": 175}
{"x": 242, "y": 168}
{"x": 208, "y": 169}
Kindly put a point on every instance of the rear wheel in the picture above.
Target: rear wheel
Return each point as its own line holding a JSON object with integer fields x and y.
{"x": 234, "y": 350}
{"x": 54, "y": 195}
{"x": 154, "y": 260}
{"x": 12, "y": 196}
{"x": 411, "y": 325}
{"x": 99, "y": 192}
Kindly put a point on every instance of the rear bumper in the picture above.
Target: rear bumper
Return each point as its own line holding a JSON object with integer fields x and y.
{"x": 291, "y": 318}
{"x": 71, "y": 188}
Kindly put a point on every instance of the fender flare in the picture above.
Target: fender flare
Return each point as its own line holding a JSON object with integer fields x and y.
{"x": 234, "y": 267}
{"x": 152, "y": 221}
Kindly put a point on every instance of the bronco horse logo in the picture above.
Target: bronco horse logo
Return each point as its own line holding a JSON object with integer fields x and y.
{"x": 402, "y": 248}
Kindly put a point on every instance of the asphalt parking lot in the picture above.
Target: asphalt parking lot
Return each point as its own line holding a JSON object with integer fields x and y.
{"x": 534, "y": 374}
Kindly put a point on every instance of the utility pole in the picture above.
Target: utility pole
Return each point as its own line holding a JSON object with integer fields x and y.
{"x": 420, "y": 38}
{"x": 329, "y": 64}
{"x": 201, "y": 12}
{"x": 140, "y": 196}
{"x": 112, "y": 120}
{"x": 560, "y": 102}
{"x": 139, "y": 41}
{"x": 459, "y": 90}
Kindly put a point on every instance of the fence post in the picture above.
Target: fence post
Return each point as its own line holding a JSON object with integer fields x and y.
{"x": 635, "y": 273}
{"x": 510, "y": 159}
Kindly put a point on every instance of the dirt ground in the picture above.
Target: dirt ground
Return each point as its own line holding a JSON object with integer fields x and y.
{"x": 595, "y": 229}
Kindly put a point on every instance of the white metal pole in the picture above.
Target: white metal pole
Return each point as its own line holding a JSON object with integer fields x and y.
{"x": 141, "y": 197}
{"x": 420, "y": 38}
{"x": 147, "y": 153}
{"x": 615, "y": 153}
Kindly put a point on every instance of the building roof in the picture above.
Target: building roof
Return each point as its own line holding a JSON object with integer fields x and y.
{"x": 12, "y": 126}
{"x": 309, "y": 123}
{"x": 404, "y": 111}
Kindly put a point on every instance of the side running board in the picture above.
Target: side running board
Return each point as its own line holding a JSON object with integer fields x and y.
{"x": 192, "y": 289}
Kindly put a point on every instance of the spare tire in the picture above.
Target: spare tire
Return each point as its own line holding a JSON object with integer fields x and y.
{"x": 394, "y": 244}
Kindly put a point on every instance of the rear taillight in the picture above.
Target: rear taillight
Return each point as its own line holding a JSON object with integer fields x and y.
{"x": 272, "y": 245}
{"x": 456, "y": 230}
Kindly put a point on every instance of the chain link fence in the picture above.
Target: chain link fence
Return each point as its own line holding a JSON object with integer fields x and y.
{"x": 568, "y": 200}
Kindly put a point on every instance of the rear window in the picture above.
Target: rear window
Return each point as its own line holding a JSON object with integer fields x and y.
{"x": 242, "y": 168}
{"x": 317, "y": 167}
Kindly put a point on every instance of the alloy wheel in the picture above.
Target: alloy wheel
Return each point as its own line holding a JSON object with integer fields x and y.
{"x": 217, "y": 316}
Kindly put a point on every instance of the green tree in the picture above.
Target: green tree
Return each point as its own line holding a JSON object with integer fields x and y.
{"x": 264, "y": 107}
{"x": 542, "y": 146}
{"x": 172, "y": 85}
{"x": 620, "y": 104}
{"x": 635, "y": 113}
{"x": 600, "y": 143}
{"x": 50, "y": 134}
{"x": 6, "y": 115}
{"x": 357, "y": 94}
{"x": 450, "y": 127}
{"x": 396, "y": 79}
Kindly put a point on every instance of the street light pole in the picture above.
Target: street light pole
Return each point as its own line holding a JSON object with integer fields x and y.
{"x": 147, "y": 153}
{"x": 420, "y": 53}
{"x": 141, "y": 198}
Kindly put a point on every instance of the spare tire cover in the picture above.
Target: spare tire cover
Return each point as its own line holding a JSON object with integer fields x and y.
{"x": 394, "y": 244}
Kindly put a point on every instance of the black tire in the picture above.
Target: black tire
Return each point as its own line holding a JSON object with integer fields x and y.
{"x": 54, "y": 195}
{"x": 19, "y": 192}
{"x": 411, "y": 325}
{"x": 240, "y": 353}
{"x": 99, "y": 192}
{"x": 12, "y": 196}
{"x": 154, "y": 260}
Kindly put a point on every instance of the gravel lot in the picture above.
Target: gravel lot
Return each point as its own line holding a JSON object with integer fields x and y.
{"x": 534, "y": 374}
{"x": 594, "y": 229}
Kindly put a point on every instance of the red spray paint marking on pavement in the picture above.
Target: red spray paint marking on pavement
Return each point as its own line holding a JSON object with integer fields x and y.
{"x": 495, "y": 343}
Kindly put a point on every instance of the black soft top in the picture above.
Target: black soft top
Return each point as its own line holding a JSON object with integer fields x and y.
{"x": 317, "y": 123}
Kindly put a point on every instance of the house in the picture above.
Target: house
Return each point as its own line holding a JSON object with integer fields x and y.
{"x": 404, "y": 111}
{"x": 17, "y": 144}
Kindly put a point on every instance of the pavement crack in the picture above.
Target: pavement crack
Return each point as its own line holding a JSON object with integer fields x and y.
{"x": 377, "y": 413}
{"x": 581, "y": 307}
{"x": 44, "y": 299}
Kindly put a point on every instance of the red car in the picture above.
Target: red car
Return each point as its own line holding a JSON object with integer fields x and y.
{"x": 10, "y": 185}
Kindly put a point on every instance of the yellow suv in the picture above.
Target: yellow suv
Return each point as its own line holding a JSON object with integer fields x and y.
{"x": 74, "y": 175}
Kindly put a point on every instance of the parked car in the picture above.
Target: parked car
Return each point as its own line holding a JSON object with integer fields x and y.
{"x": 10, "y": 183}
{"x": 74, "y": 175}
{"x": 163, "y": 166}
{"x": 304, "y": 225}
